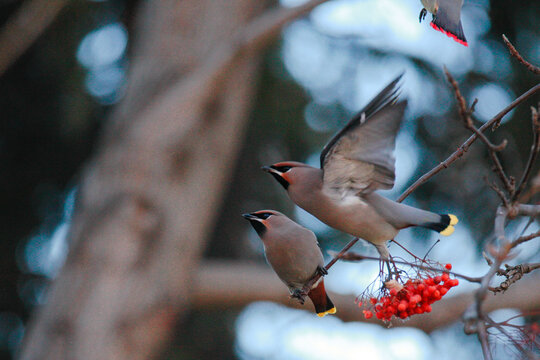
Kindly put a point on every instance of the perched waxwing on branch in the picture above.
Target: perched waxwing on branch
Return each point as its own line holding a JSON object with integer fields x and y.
{"x": 358, "y": 160}
{"x": 294, "y": 254}
{"x": 446, "y": 17}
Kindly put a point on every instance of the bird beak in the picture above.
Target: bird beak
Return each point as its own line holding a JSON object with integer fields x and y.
{"x": 278, "y": 175}
{"x": 258, "y": 224}
{"x": 270, "y": 170}
{"x": 251, "y": 217}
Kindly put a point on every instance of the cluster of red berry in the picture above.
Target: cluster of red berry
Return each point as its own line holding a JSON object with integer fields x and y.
{"x": 414, "y": 297}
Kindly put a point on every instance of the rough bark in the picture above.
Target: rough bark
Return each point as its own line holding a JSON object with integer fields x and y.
{"x": 146, "y": 201}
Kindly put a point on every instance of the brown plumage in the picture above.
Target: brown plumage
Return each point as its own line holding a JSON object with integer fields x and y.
{"x": 294, "y": 254}
{"x": 357, "y": 161}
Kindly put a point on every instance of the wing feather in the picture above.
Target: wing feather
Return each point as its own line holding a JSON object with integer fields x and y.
{"x": 360, "y": 158}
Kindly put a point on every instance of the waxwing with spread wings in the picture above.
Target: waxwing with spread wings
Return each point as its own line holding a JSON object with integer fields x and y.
{"x": 358, "y": 160}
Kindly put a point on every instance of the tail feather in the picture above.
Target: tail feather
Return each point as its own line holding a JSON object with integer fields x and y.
{"x": 319, "y": 297}
{"x": 443, "y": 24}
{"x": 445, "y": 226}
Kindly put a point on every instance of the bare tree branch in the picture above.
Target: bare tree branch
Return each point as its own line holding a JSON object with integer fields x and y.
{"x": 513, "y": 274}
{"x": 476, "y": 318}
{"x": 523, "y": 239}
{"x": 483, "y": 338}
{"x": 515, "y": 53}
{"x": 24, "y": 28}
{"x": 468, "y": 122}
{"x": 136, "y": 233}
{"x": 307, "y": 287}
{"x": 230, "y": 284}
{"x": 533, "y": 154}
{"x": 528, "y": 210}
{"x": 209, "y": 76}
{"x": 353, "y": 256}
{"x": 465, "y": 146}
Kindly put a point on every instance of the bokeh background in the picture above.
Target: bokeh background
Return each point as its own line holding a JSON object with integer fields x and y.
{"x": 55, "y": 98}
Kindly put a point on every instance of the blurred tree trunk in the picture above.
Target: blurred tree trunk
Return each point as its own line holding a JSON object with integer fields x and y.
{"x": 148, "y": 199}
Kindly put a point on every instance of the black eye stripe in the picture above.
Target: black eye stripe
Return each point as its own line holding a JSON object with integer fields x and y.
{"x": 264, "y": 215}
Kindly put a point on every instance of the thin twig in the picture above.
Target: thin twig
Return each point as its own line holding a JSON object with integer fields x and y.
{"x": 503, "y": 330}
{"x": 468, "y": 122}
{"x": 515, "y": 53}
{"x": 353, "y": 256}
{"x": 307, "y": 287}
{"x": 341, "y": 253}
{"x": 498, "y": 191}
{"x": 535, "y": 148}
{"x": 513, "y": 274}
{"x": 465, "y": 146}
{"x": 483, "y": 337}
{"x": 526, "y": 238}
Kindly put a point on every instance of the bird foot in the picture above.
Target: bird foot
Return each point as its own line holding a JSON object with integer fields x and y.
{"x": 299, "y": 295}
{"x": 393, "y": 273}
{"x": 321, "y": 270}
{"x": 423, "y": 14}
{"x": 389, "y": 277}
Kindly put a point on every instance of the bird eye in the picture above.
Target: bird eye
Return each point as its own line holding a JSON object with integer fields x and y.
{"x": 282, "y": 169}
{"x": 264, "y": 215}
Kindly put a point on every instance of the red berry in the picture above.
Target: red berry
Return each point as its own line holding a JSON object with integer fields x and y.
{"x": 402, "y": 306}
{"x": 443, "y": 291}
{"x": 419, "y": 310}
{"x": 421, "y": 287}
{"x": 403, "y": 315}
{"x": 448, "y": 266}
{"x": 445, "y": 277}
{"x": 429, "y": 281}
{"x": 368, "y": 314}
{"x": 373, "y": 301}
{"x": 428, "y": 308}
{"x": 379, "y": 315}
{"x": 431, "y": 289}
{"x": 393, "y": 292}
{"x": 437, "y": 279}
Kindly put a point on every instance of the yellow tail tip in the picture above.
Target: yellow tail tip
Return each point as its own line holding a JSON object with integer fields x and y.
{"x": 453, "y": 219}
{"x": 331, "y": 311}
{"x": 448, "y": 231}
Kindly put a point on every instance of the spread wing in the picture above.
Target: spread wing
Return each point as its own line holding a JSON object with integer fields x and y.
{"x": 360, "y": 157}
